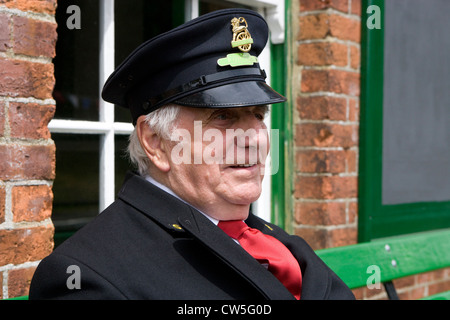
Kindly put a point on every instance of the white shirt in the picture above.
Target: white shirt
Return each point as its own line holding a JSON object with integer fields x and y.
{"x": 169, "y": 191}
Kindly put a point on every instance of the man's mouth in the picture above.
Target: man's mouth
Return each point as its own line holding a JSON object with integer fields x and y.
{"x": 243, "y": 165}
{"x": 239, "y": 166}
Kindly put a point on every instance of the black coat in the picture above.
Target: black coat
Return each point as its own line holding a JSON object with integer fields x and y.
{"x": 150, "y": 245}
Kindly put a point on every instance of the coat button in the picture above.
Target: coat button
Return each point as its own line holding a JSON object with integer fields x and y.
{"x": 177, "y": 226}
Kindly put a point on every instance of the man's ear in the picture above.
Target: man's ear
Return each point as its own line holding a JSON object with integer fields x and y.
{"x": 152, "y": 145}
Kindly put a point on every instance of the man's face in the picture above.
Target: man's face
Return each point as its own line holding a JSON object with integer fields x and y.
{"x": 216, "y": 159}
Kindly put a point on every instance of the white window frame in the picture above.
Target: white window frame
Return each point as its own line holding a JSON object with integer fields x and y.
{"x": 107, "y": 128}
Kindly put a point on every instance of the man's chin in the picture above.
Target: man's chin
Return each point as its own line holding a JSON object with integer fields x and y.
{"x": 245, "y": 198}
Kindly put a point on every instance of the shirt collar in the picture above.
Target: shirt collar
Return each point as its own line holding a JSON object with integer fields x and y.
{"x": 169, "y": 191}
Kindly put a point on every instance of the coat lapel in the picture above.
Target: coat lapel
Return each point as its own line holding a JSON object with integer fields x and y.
{"x": 176, "y": 215}
{"x": 237, "y": 258}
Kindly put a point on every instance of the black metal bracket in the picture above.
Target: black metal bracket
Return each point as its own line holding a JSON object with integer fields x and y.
{"x": 390, "y": 290}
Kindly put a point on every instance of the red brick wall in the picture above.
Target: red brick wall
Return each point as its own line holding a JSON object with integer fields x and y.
{"x": 27, "y": 154}
{"x": 326, "y": 120}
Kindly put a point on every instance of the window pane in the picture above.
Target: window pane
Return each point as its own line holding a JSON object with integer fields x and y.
{"x": 122, "y": 164}
{"x": 416, "y": 100}
{"x": 206, "y": 6}
{"x": 76, "y": 185}
{"x": 137, "y": 21}
{"x": 76, "y": 62}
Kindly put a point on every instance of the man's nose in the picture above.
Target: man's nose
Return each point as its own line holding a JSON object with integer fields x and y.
{"x": 251, "y": 132}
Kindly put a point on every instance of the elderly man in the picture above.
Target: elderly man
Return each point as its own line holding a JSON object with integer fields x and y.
{"x": 181, "y": 228}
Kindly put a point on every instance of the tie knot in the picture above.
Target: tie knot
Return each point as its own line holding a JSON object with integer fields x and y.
{"x": 233, "y": 228}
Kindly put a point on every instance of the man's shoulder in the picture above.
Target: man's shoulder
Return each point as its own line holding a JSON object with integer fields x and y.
{"x": 102, "y": 252}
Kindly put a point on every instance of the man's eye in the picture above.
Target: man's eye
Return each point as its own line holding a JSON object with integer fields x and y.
{"x": 222, "y": 116}
{"x": 259, "y": 116}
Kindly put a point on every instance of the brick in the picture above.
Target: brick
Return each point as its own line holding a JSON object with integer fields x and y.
{"x": 19, "y": 281}
{"x": 2, "y": 119}
{"x": 5, "y": 42}
{"x": 314, "y": 26}
{"x": 34, "y": 37}
{"x": 345, "y": 28}
{"x": 440, "y": 274}
{"x": 325, "y": 187}
{"x": 355, "y": 57}
{"x": 30, "y": 120}
{"x": 319, "y": 213}
{"x": 342, "y": 237}
{"x": 438, "y": 287}
{"x": 20, "y": 78}
{"x": 331, "y": 80}
{"x": 27, "y": 162}
{"x": 320, "y": 238}
{"x": 326, "y": 135}
{"x": 413, "y": 294}
{"x": 379, "y": 293}
{"x": 353, "y": 109}
{"x": 322, "y": 54}
{"x": 322, "y": 108}
{"x": 351, "y": 161}
{"x": 40, "y": 6}
{"x": 313, "y": 5}
{"x": 358, "y": 293}
{"x": 321, "y": 161}
{"x": 26, "y": 244}
{"x": 31, "y": 203}
{"x": 315, "y": 237}
{"x": 352, "y": 212}
{"x": 424, "y": 277}
{"x": 356, "y": 7}
{"x": 2, "y": 204}
{"x": 404, "y": 282}
{"x": 320, "y": 26}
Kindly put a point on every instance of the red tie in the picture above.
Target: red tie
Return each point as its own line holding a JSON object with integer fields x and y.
{"x": 267, "y": 249}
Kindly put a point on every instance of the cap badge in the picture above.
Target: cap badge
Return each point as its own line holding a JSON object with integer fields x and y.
{"x": 241, "y": 37}
{"x": 243, "y": 41}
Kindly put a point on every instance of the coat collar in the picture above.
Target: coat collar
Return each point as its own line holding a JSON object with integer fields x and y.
{"x": 144, "y": 196}
{"x": 176, "y": 215}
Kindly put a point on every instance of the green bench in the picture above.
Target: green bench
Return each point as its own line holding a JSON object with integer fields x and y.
{"x": 384, "y": 260}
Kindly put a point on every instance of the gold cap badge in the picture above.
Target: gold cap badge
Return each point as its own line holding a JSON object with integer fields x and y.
{"x": 241, "y": 40}
{"x": 241, "y": 37}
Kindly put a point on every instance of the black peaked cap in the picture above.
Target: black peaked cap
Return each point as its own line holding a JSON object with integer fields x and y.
{"x": 208, "y": 62}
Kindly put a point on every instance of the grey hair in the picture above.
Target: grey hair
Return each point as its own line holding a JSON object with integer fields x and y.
{"x": 162, "y": 121}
